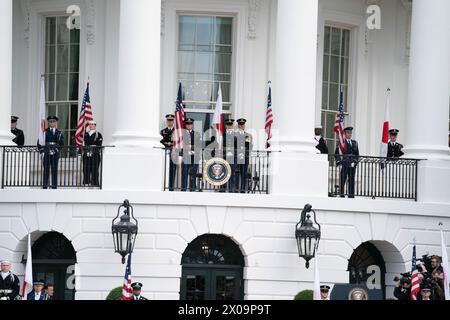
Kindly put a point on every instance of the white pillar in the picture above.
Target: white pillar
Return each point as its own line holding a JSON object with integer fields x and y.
{"x": 298, "y": 169}
{"x": 6, "y": 18}
{"x": 137, "y": 121}
{"x": 429, "y": 81}
{"x": 134, "y": 163}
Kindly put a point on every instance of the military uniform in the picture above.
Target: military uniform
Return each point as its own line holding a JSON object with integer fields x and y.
{"x": 137, "y": 286}
{"x": 92, "y": 154}
{"x": 33, "y": 295}
{"x": 167, "y": 142}
{"x": 19, "y": 135}
{"x": 229, "y": 153}
{"x": 322, "y": 146}
{"x": 244, "y": 142}
{"x": 191, "y": 154}
{"x": 325, "y": 289}
{"x": 349, "y": 162}
{"x": 394, "y": 148}
{"x": 9, "y": 286}
{"x": 54, "y": 139}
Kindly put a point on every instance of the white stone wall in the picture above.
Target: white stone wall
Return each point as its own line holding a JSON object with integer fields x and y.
{"x": 265, "y": 235}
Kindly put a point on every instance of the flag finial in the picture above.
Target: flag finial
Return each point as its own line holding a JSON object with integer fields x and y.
{"x": 388, "y": 89}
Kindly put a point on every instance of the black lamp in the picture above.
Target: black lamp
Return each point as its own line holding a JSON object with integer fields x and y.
{"x": 124, "y": 230}
{"x": 308, "y": 236}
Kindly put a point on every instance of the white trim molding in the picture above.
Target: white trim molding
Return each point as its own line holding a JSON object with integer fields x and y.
{"x": 253, "y": 8}
{"x": 26, "y": 8}
{"x": 90, "y": 22}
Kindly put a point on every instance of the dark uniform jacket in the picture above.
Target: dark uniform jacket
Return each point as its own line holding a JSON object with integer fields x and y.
{"x": 402, "y": 294}
{"x": 20, "y": 137}
{"x": 352, "y": 150}
{"x": 230, "y": 146}
{"x": 11, "y": 285}
{"x": 244, "y": 143}
{"x": 395, "y": 150}
{"x": 167, "y": 137}
{"x": 95, "y": 140}
{"x": 32, "y": 295}
{"x": 192, "y": 146}
{"x": 322, "y": 146}
{"x": 51, "y": 139}
{"x": 141, "y": 298}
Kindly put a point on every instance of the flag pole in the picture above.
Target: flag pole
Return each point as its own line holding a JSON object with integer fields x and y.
{"x": 445, "y": 264}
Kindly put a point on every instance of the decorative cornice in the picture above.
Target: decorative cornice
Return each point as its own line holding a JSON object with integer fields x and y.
{"x": 407, "y": 4}
{"x": 26, "y": 9}
{"x": 90, "y": 21}
{"x": 253, "y": 8}
{"x": 163, "y": 17}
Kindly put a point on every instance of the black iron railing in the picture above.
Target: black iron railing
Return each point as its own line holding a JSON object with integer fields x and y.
{"x": 250, "y": 176}
{"x": 358, "y": 176}
{"x": 52, "y": 167}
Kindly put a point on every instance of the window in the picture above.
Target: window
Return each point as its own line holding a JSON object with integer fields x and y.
{"x": 335, "y": 74}
{"x": 204, "y": 61}
{"x": 62, "y": 66}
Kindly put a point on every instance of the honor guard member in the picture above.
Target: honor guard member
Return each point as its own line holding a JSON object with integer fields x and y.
{"x": 322, "y": 145}
{"x": 54, "y": 139}
{"x": 229, "y": 151}
{"x": 244, "y": 143}
{"x": 49, "y": 291}
{"x": 93, "y": 141}
{"x": 324, "y": 292}
{"x": 425, "y": 292}
{"x": 394, "y": 148}
{"x": 191, "y": 153}
{"x": 9, "y": 282}
{"x": 19, "y": 136}
{"x": 167, "y": 142}
{"x": 38, "y": 293}
{"x": 349, "y": 162}
{"x": 137, "y": 287}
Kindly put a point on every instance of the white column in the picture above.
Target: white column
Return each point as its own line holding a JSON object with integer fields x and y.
{"x": 296, "y": 73}
{"x": 6, "y": 18}
{"x": 137, "y": 121}
{"x": 298, "y": 169}
{"x": 429, "y": 81}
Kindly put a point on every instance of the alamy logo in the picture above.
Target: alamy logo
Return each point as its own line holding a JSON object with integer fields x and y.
{"x": 73, "y": 21}
{"x": 374, "y": 19}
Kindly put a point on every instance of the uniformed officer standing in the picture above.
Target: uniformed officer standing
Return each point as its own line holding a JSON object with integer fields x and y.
{"x": 137, "y": 287}
{"x": 191, "y": 153}
{"x": 324, "y": 292}
{"x": 349, "y": 162}
{"x": 93, "y": 141}
{"x": 244, "y": 142}
{"x": 322, "y": 145}
{"x": 9, "y": 282}
{"x": 229, "y": 151}
{"x": 54, "y": 139}
{"x": 167, "y": 142}
{"x": 20, "y": 137}
{"x": 394, "y": 148}
{"x": 38, "y": 293}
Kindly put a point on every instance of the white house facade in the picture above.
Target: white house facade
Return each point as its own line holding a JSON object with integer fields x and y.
{"x": 134, "y": 53}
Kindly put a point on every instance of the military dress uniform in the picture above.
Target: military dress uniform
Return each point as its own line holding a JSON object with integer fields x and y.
{"x": 9, "y": 286}
{"x": 349, "y": 162}
{"x": 19, "y": 135}
{"x": 191, "y": 154}
{"x": 394, "y": 148}
{"x": 92, "y": 154}
{"x": 167, "y": 142}
{"x": 322, "y": 146}
{"x": 137, "y": 286}
{"x": 38, "y": 296}
{"x": 244, "y": 143}
{"x": 230, "y": 154}
{"x": 53, "y": 140}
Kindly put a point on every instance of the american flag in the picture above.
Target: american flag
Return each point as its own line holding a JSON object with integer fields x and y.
{"x": 178, "y": 137}
{"x": 339, "y": 125}
{"x": 85, "y": 117}
{"x": 269, "y": 119}
{"x": 127, "y": 293}
{"x": 415, "y": 281}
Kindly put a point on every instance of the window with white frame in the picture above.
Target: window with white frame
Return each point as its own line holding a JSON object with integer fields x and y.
{"x": 205, "y": 58}
{"x": 336, "y": 59}
{"x": 62, "y": 66}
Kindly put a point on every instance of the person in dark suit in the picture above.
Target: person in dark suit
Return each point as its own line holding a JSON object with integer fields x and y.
{"x": 19, "y": 136}
{"x": 229, "y": 151}
{"x": 54, "y": 140}
{"x": 38, "y": 292}
{"x": 49, "y": 291}
{"x": 167, "y": 142}
{"x": 348, "y": 161}
{"x": 9, "y": 282}
{"x": 394, "y": 148}
{"x": 137, "y": 287}
{"x": 191, "y": 154}
{"x": 322, "y": 146}
{"x": 244, "y": 142}
{"x": 93, "y": 141}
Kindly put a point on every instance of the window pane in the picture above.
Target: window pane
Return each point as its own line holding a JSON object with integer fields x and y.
{"x": 50, "y": 56}
{"x": 325, "y": 96}
{"x": 186, "y": 62}
{"x": 73, "y": 116}
{"x": 223, "y": 63}
{"x": 204, "y": 30}
{"x": 50, "y": 88}
{"x": 74, "y": 58}
{"x": 334, "y": 76}
{"x": 63, "y": 58}
{"x": 224, "y": 30}
{"x": 334, "y": 97}
{"x": 61, "y": 87}
{"x": 203, "y": 62}
{"x": 326, "y": 65}
{"x": 344, "y": 70}
{"x": 346, "y": 43}
{"x": 50, "y": 34}
{"x": 51, "y": 110}
{"x": 63, "y": 32}
{"x": 331, "y": 119}
{"x": 63, "y": 115}
{"x": 75, "y": 36}
{"x": 187, "y": 30}
{"x": 336, "y": 41}
{"x": 73, "y": 87}
{"x": 327, "y": 40}
{"x": 202, "y": 91}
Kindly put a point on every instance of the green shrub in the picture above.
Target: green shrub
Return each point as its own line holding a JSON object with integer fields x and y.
{"x": 115, "y": 294}
{"x": 304, "y": 295}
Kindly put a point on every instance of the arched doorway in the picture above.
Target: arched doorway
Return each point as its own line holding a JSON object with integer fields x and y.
{"x": 367, "y": 262}
{"x": 212, "y": 270}
{"x": 54, "y": 260}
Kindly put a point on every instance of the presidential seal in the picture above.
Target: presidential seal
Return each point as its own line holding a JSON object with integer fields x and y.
{"x": 217, "y": 172}
{"x": 358, "y": 294}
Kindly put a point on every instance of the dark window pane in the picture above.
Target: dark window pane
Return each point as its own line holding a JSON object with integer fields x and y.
{"x": 50, "y": 56}
{"x": 63, "y": 58}
{"x": 336, "y": 41}
{"x": 73, "y": 116}
{"x": 327, "y": 40}
{"x": 186, "y": 62}
{"x": 61, "y": 87}
{"x": 75, "y": 36}
{"x": 73, "y": 87}
{"x": 346, "y": 43}
{"x": 51, "y": 110}
{"x": 334, "y": 97}
{"x": 64, "y": 116}
{"x": 50, "y": 31}
{"x": 187, "y": 30}
{"x": 224, "y": 30}
{"x": 50, "y": 88}
{"x": 325, "y": 96}
{"x": 331, "y": 119}
{"x": 223, "y": 63}
{"x": 204, "y": 30}
{"x": 344, "y": 70}
{"x": 62, "y": 31}
{"x": 326, "y": 66}
{"x": 334, "y": 70}
{"x": 203, "y": 62}
{"x": 74, "y": 58}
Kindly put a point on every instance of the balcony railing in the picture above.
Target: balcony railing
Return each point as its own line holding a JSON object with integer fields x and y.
{"x": 251, "y": 176}
{"x": 358, "y": 176}
{"x": 32, "y": 167}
